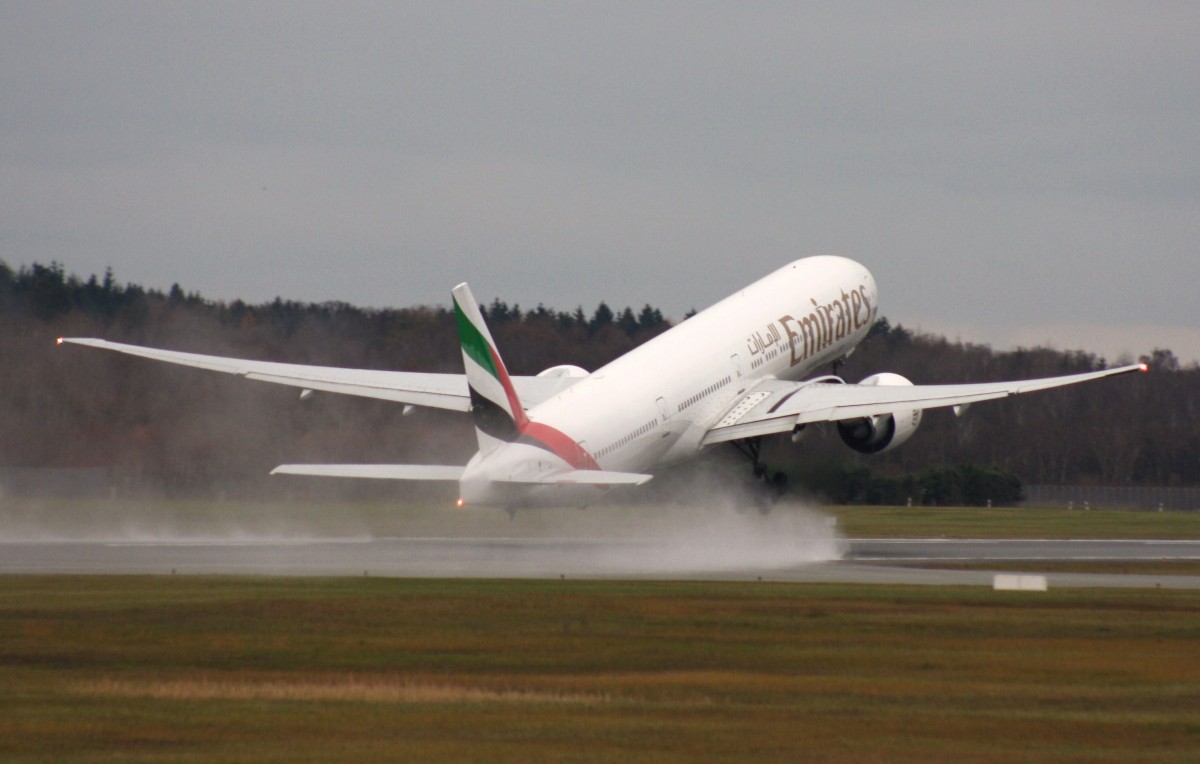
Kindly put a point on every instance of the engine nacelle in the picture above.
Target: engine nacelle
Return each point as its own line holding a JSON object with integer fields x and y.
{"x": 876, "y": 434}
{"x": 566, "y": 370}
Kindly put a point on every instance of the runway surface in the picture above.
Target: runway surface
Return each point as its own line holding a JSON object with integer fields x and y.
{"x": 881, "y": 561}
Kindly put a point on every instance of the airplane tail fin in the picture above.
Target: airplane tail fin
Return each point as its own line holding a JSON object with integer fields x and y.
{"x": 498, "y": 414}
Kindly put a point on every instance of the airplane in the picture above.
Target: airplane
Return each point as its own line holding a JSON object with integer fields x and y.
{"x": 736, "y": 372}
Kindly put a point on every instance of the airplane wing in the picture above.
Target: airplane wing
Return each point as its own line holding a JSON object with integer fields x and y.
{"x": 775, "y": 406}
{"x": 444, "y": 391}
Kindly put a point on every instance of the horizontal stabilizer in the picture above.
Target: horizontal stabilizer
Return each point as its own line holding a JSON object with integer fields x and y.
{"x": 584, "y": 477}
{"x": 376, "y": 471}
{"x": 439, "y": 472}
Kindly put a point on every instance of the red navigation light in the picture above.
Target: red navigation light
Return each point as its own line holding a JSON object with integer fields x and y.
{"x": 460, "y": 503}
{"x": 58, "y": 341}
{"x": 1144, "y": 366}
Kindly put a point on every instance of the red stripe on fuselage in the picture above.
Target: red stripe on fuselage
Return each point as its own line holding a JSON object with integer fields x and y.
{"x": 559, "y": 444}
{"x": 543, "y": 435}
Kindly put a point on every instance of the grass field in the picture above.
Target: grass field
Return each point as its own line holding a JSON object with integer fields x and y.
{"x": 183, "y": 669}
{"x": 1024, "y": 522}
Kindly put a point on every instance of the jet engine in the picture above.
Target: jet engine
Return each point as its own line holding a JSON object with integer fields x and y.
{"x": 566, "y": 370}
{"x": 876, "y": 434}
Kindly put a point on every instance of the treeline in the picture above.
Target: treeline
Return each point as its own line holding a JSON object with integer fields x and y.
{"x": 47, "y": 293}
{"x": 963, "y": 485}
{"x": 183, "y": 431}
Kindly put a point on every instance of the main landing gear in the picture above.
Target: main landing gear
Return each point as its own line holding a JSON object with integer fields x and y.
{"x": 773, "y": 486}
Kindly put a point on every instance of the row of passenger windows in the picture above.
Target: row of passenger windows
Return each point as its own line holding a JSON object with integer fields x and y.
{"x": 771, "y": 354}
{"x": 644, "y": 429}
{"x": 704, "y": 393}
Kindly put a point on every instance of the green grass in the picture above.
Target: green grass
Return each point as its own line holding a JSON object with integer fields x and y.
{"x": 182, "y": 669}
{"x": 984, "y": 523}
{"x": 1120, "y": 567}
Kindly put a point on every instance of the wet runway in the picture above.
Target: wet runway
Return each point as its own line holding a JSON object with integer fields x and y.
{"x": 983, "y": 550}
{"x": 881, "y": 561}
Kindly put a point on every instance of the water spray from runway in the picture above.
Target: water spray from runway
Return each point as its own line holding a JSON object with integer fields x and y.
{"x": 718, "y": 535}
{"x": 31, "y": 520}
{"x": 703, "y": 529}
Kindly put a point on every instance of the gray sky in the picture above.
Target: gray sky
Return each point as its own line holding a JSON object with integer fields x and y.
{"x": 1011, "y": 173}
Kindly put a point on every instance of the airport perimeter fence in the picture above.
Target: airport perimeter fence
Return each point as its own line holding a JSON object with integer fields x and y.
{"x": 1112, "y": 497}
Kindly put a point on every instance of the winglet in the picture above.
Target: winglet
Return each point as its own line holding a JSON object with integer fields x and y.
{"x": 498, "y": 414}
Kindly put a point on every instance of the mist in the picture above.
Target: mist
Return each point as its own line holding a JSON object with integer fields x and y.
{"x": 718, "y": 535}
{"x": 723, "y": 532}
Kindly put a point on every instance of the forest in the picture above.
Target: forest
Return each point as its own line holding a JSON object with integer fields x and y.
{"x": 157, "y": 428}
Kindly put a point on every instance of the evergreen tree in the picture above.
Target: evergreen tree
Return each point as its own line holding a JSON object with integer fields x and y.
{"x": 601, "y": 318}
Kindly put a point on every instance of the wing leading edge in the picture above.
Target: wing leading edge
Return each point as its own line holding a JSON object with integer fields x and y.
{"x": 773, "y": 406}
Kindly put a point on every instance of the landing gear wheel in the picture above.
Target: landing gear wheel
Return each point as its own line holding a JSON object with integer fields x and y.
{"x": 779, "y": 485}
{"x": 774, "y": 487}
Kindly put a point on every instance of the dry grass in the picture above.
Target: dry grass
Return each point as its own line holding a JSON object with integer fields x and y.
{"x": 343, "y": 689}
{"x": 187, "y": 669}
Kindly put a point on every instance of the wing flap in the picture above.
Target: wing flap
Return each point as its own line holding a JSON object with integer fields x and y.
{"x": 789, "y": 404}
{"x": 397, "y": 391}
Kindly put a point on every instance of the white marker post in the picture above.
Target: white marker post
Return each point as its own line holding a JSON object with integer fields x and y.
{"x": 1012, "y": 582}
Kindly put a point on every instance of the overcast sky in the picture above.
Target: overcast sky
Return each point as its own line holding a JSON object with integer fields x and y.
{"x": 1011, "y": 173}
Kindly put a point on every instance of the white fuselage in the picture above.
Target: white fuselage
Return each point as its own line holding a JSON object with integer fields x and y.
{"x": 653, "y": 405}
